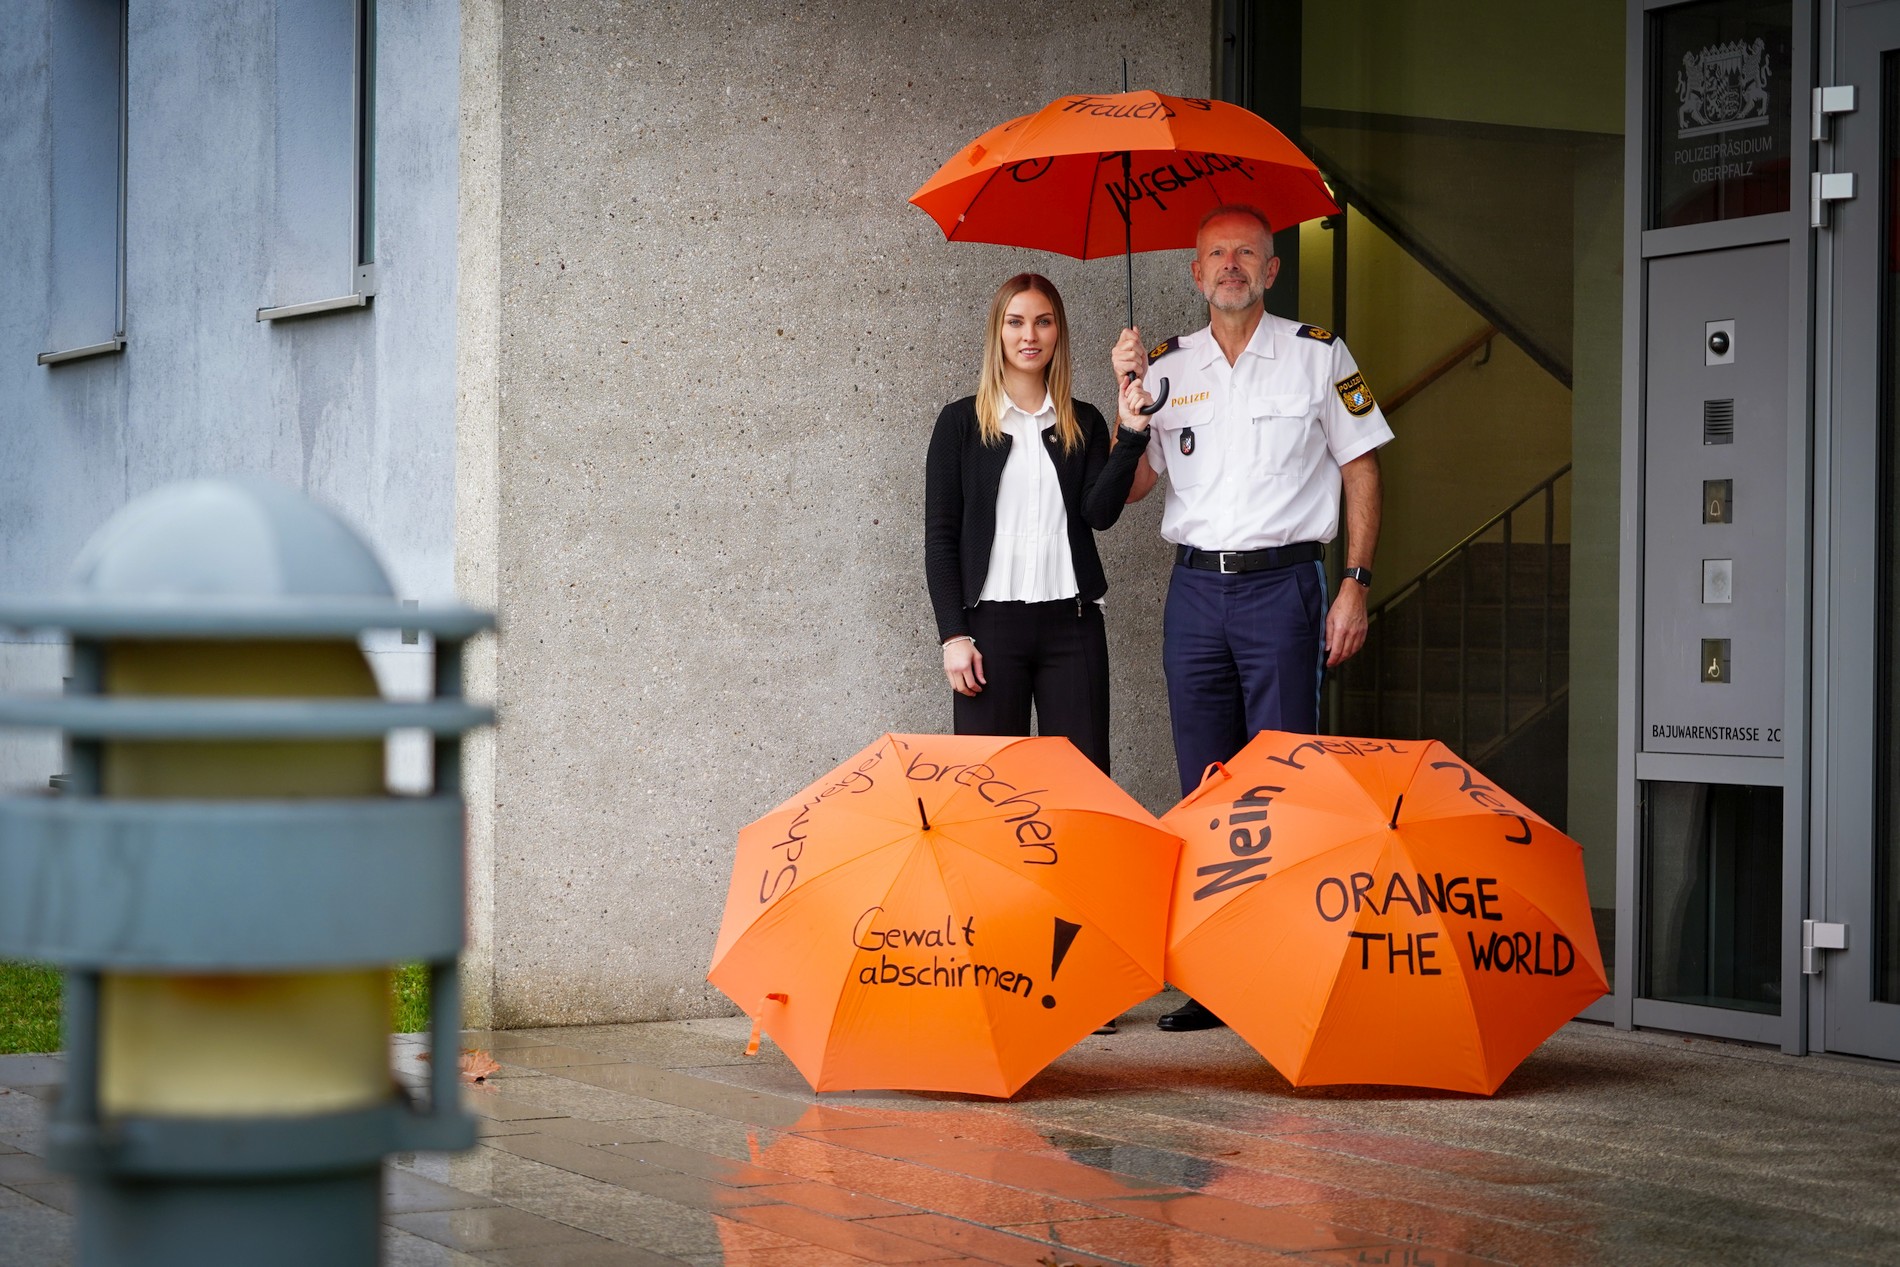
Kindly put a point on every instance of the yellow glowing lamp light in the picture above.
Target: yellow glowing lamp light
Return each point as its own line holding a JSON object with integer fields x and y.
{"x": 242, "y": 1044}
{"x": 226, "y": 879}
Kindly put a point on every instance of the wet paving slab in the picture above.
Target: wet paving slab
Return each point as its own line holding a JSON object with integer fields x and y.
{"x": 665, "y": 1144}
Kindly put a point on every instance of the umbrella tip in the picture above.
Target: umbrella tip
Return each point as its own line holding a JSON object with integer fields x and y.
{"x": 1395, "y": 811}
{"x": 921, "y": 816}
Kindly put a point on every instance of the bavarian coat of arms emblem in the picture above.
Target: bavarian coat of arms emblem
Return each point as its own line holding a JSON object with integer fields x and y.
{"x": 1722, "y": 87}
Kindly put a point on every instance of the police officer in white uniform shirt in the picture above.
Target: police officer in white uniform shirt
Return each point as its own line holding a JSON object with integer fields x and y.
{"x": 1265, "y": 422}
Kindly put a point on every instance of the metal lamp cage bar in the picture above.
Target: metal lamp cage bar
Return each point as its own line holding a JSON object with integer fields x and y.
{"x": 54, "y": 849}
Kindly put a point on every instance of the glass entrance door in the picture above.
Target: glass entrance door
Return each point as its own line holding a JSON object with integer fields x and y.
{"x": 1860, "y": 845}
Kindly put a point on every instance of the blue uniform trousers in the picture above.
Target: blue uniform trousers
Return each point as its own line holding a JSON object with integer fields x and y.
{"x": 1244, "y": 652}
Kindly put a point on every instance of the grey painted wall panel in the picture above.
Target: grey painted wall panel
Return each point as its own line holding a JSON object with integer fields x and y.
{"x": 357, "y": 407}
{"x": 87, "y": 115}
{"x": 724, "y": 339}
{"x": 313, "y": 244}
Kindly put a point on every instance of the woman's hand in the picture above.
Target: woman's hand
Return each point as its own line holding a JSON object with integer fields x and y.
{"x": 963, "y": 665}
{"x": 1134, "y": 399}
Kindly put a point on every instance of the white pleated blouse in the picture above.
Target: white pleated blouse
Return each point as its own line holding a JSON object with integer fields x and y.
{"x": 1030, "y": 560}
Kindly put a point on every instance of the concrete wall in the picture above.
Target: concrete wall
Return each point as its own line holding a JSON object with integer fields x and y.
{"x": 356, "y": 407}
{"x": 704, "y": 340}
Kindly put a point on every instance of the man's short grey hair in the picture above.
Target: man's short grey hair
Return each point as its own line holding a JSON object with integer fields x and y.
{"x": 1237, "y": 209}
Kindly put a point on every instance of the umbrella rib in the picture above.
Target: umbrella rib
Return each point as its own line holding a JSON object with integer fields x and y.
{"x": 1382, "y": 812}
{"x": 996, "y": 169}
{"x": 957, "y": 229}
{"x": 1067, "y": 812}
{"x": 814, "y": 873}
{"x": 904, "y": 830}
{"x": 845, "y": 979}
{"x": 816, "y": 880}
{"x": 1088, "y": 213}
{"x": 754, "y": 928}
{"x": 1094, "y": 922}
{"x": 1464, "y": 978}
{"x": 1278, "y": 879}
{"x": 989, "y": 1004}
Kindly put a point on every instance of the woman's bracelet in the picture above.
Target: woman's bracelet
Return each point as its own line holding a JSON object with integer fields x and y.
{"x": 959, "y": 638}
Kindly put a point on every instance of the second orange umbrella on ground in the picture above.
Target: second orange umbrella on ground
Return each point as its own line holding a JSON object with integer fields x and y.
{"x": 1376, "y": 911}
{"x": 945, "y": 913}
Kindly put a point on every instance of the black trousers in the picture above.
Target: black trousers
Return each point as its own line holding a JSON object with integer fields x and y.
{"x": 1045, "y": 654}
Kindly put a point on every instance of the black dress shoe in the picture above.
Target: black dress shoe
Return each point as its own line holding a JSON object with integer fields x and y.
{"x": 1189, "y": 1016}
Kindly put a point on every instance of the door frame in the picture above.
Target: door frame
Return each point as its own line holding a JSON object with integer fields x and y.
{"x": 1792, "y": 771}
{"x": 1842, "y": 1014}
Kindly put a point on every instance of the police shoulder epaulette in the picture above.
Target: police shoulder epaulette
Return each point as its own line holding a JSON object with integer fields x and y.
{"x": 1316, "y": 332}
{"x": 1164, "y": 347}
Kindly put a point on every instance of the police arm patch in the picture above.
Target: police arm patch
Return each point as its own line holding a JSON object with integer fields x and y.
{"x": 1356, "y": 396}
{"x": 1316, "y": 332}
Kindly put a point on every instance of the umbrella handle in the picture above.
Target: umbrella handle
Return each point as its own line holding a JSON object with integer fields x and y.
{"x": 752, "y": 1045}
{"x": 1156, "y": 405}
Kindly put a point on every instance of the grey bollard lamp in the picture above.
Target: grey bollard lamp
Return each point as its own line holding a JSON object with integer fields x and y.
{"x": 226, "y": 882}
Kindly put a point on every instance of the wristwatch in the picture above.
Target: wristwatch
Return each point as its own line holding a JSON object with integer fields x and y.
{"x": 1361, "y": 575}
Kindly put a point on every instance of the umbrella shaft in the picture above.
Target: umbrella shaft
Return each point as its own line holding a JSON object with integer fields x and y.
{"x": 1128, "y": 219}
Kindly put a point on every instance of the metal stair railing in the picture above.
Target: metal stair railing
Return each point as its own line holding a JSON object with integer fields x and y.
{"x": 1419, "y": 590}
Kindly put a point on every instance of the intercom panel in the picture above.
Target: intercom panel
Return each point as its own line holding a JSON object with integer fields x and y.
{"x": 1715, "y": 515}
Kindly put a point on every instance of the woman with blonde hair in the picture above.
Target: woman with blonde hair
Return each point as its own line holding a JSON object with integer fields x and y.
{"x": 1017, "y": 477}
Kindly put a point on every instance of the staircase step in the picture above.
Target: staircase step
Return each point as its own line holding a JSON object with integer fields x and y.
{"x": 1397, "y": 669}
{"x": 1483, "y": 625}
{"x": 1396, "y": 716}
{"x": 1479, "y": 571}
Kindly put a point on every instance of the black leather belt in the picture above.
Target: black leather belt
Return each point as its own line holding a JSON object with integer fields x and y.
{"x": 1230, "y": 561}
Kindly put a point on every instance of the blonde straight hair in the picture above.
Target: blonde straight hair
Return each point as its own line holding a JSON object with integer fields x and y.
{"x": 990, "y": 397}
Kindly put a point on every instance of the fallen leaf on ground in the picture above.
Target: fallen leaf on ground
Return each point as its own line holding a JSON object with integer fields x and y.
{"x": 477, "y": 1065}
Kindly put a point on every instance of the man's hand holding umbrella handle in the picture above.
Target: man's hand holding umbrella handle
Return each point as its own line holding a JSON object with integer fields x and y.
{"x": 1131, "y": 365}
{"x": 963, "y": 665}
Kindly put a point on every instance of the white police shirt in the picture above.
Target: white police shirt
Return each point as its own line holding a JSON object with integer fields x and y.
{"x": 1252, "y": 451}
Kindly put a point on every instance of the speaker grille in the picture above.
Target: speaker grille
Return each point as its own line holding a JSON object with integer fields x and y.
{"x": 1718, "y": 422}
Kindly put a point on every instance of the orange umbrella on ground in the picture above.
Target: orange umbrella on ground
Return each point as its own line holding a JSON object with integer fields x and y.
{"x": 945, "y": 913}
{"x": 1376, "y": 911}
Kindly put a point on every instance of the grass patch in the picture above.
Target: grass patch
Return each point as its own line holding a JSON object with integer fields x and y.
{"x": 29, "y": 1008}
{"x": 410, "y": 986}
{"x": 29, "y": 1005}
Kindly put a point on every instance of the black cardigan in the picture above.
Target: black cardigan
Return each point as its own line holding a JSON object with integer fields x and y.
{"x": 961, "y": 477}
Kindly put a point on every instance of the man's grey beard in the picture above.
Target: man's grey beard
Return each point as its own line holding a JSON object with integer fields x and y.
{"x": 1253, "y": 297}
{"x": 1255, "y": 294}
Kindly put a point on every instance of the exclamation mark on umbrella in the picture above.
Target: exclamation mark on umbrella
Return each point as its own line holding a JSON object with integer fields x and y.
{"x": 1065, "y": 938}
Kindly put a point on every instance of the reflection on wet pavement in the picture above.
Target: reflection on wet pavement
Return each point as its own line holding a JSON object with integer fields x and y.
{"x": 659, "y": 1144}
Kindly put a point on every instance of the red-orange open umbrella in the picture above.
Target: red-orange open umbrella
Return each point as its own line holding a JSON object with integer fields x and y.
{"x": 1093, "y": 175}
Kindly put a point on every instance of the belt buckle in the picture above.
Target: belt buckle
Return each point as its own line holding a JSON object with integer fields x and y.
{"x": 1224, "y": 569}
